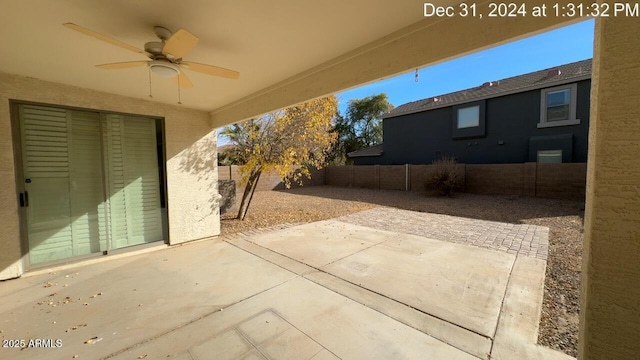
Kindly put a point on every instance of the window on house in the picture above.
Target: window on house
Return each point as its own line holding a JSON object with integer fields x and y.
{"x": 468, "y": 120}
{"x": 558, "y": 106}
{"x": 550, "y": 156}
{"x": 468, "y": 117}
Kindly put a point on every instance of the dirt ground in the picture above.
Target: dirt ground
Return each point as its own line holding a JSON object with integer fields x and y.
{"x": 564, "y": 218}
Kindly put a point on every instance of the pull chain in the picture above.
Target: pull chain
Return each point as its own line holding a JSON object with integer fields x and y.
{"x": 417, "y": 76}
{"x": 179, "y": 102}
{"x": 150, "y": 95}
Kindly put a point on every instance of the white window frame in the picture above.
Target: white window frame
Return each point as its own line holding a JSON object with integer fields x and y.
{"x": 573, "y": 89}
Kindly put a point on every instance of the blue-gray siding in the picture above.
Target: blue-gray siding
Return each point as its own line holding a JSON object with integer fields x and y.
{"x": 512, "y": 120}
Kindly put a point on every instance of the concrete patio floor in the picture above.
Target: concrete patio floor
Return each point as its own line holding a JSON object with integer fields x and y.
{"x": 324, "y": 290}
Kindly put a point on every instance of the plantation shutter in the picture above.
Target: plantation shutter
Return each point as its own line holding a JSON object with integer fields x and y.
{"x": 86, "y": 187}
{"x": 92, "y": 181}
{"x": 133, "y": 189}
{"x": 114, "y": 178}
{"x": 45, "y": 148}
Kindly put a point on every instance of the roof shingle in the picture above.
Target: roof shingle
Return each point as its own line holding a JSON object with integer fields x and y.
{"x": 375, "y": 150}
{"x": 543, "y": 78}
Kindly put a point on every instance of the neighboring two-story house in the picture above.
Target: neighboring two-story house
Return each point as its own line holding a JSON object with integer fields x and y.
{"x": 541, "y": 116}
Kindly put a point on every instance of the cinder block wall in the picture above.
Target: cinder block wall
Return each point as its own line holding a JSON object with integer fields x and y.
{"x": 495, "y": 179}
{"x": 417, "y": 175}
{"x": 392, "y": 177}
{"x": 529, "y": 179}
{"x": 365, "y": 176}
{"x": 338, "y": 176}
{"x": 561, "y": 180}
{"x": 269, "y": 180}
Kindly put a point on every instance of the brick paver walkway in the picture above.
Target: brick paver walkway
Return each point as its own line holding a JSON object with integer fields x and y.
{"x": 523, "y": 239}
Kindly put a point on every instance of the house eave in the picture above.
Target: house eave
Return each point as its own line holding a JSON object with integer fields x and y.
{"x": 361, "y": 156}
{"x": 510, "y": 92}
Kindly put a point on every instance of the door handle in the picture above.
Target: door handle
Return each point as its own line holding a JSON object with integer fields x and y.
{"x": 24, "y": 199}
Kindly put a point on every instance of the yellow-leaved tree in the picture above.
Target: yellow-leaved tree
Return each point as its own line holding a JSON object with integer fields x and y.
{"x": 289, "y": 142}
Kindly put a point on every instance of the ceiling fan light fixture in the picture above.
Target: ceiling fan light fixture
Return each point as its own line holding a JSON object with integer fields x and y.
{"x": 164, "y": 69}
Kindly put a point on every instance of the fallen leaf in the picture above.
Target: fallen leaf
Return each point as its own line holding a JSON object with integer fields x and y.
{"x": 93, "y": 340}
{"x": 75, "y": 327}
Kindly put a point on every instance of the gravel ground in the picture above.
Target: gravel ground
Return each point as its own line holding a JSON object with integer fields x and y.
{"x": 560, "y": 311}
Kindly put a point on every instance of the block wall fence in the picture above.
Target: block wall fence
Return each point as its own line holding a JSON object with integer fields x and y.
{"x": 268, "y": 181}
{"x": 565, "y": 181}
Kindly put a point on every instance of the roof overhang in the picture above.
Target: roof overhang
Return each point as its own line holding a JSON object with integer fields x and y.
{"x": 287, "y": 51}
{"x": 371, "y": 151}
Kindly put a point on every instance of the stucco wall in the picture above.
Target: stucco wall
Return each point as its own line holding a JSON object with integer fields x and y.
{"x": 190, "y": 151}
{"x": 610, "y": 301}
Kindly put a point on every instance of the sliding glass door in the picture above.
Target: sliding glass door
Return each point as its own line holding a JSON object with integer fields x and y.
{"x": 91, "y": 181}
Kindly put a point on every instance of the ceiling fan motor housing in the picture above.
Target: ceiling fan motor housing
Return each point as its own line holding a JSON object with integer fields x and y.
{"x": 162, "y": 32}
{"x": 154, "y": 47}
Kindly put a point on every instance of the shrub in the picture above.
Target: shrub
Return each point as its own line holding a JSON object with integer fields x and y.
{"x": 444, "y": 176}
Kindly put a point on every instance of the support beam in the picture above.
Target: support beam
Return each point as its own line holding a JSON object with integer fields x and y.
{"x": 610, "y": 299}
{"x": 424, "y": 43}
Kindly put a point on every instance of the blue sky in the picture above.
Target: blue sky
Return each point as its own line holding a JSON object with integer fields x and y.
{"x": 557, "y": 47}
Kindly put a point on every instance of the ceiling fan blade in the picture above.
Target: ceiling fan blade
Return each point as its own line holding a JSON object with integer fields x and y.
{"x": 183, "y": 80}
{"x": 122, "y": 65}
{"x": 211, "y": 70}
{"x": 179, "y": 44}
{"x": 105, "y": 38}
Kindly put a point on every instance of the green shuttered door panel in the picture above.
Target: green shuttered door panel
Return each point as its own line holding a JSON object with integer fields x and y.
{"x": 45, "y": 149}
{"x": 132, "y": 180}
{"x": 141, "y": 174}
{"x": 92, "y": 181}
{"x": 86, "y": 186}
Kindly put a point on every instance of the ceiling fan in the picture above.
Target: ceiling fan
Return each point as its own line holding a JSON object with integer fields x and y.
{"x": 165, "y": 55}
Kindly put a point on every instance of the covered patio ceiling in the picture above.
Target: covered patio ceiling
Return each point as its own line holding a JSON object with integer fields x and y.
{"x": 286, "y": 51}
